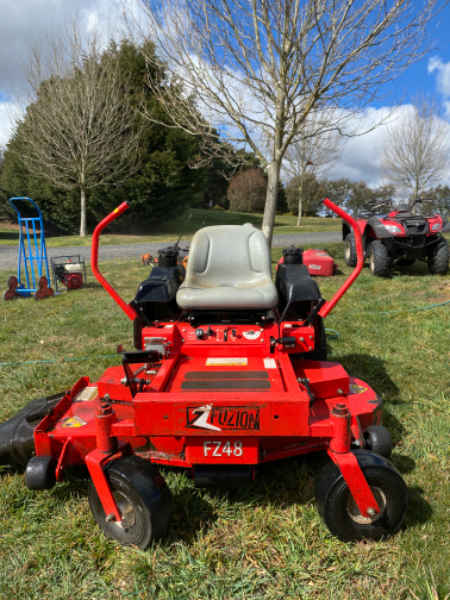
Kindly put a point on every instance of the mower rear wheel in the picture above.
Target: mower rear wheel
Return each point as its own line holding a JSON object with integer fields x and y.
{"x": 342, "y": 516}
{"x": 378, "y": 439}
{"x": 350, "y": 255}
{"x": 143, "y": 499}
{"x": 379, "y": 259}
{"x": 438, "y": 258}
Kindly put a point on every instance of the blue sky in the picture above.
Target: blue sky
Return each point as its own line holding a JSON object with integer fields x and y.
{"x": 21, "y": 19}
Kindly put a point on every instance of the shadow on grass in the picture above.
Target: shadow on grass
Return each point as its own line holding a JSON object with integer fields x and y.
{"x": 373, "y": 371}
{"x": 419, "y": 511}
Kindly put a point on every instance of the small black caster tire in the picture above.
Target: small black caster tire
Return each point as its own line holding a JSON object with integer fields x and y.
{"x": 40, "y": 473}
{"x": 340, "y": 513}
{"x": 350, "y": 254}
{"x": 142, "y": 497}
{"x": 378, "y": 439}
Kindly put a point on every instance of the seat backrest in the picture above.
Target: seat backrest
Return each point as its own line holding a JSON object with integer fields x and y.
{"x": 228, "y": 255}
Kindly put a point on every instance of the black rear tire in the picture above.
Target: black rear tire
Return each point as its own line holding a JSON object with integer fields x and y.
{"x": 142, "y": 497}
{"x": 378, "y": 439}
{"x": 350, "y": 255}
{"x": 438, "y": 257}
{"x": 379, "y": 259}
{"x": 340, "y": 513}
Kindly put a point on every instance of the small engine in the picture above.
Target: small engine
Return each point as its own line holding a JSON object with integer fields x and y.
{"x": 71, "y": 271}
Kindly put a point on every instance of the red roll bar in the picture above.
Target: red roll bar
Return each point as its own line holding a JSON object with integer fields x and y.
{"x": 328, "y": 306}
{"x": 130, "y": 312}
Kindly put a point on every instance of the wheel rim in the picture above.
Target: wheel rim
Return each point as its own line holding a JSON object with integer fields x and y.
{"x": 372, "y": 260}
{"x": 355, "y": 514}
{"x": 126, "y": 510}
{"x": 347, "y": 251}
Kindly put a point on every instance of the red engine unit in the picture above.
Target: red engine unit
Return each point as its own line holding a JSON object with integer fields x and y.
{"x": 70, "y": 271}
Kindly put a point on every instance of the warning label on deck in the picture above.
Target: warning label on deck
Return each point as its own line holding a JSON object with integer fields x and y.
{"x": 357, "y": 389}
{"x": 226, "y": 362}
{"x": 74, "y": 422}
{"x": 87, "y": 394}
{"x": 269, "y": 363}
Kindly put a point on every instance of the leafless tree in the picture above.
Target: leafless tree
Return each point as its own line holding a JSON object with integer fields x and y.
{"x": 74, "y": 123}
{"x": 247, "y": 191}
{"x": 416, "y": 151}
{"x": 257, "y": 69}
{"x": 312, "y": 154}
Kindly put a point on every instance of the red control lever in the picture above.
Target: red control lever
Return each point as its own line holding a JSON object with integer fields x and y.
{"x": 328, "y": 306}
{"x": 130, "y": 312}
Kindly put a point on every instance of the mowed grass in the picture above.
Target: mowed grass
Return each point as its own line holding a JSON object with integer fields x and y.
{"x": 265, "y": 541}
{"x": 170, "y": 230}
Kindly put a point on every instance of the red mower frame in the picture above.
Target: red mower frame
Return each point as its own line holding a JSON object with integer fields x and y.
{"x": 161, "y": 406}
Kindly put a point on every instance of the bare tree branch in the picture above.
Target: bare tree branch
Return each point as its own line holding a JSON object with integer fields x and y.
{"x": 312, "y": 154}
{"x": 416, "y": 152}
{"x": 76, "y": 127}
{"x": 258, "y": 69}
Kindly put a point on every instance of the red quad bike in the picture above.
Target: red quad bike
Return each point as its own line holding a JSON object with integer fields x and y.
{"x": 399, "y": 238}
{"x": 221, "y": 380}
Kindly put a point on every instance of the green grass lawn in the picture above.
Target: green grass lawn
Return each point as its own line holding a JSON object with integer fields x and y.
{"x": 170, "y": 230}
{"x": 263, "y": 542}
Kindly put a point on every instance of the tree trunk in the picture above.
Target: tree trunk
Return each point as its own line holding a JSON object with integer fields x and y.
{"x": 300, "y": 202}
{"x": 83, "y": 231}
{"x": 273, "y": 173}
{"x": 415, "y": 210}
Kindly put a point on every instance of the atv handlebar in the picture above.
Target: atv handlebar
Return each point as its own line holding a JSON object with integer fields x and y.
{"x": 128, "y": 310}
{"x": 328, "y": 306}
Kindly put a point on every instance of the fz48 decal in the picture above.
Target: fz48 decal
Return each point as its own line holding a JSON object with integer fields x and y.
{"x": 223, "y": 418}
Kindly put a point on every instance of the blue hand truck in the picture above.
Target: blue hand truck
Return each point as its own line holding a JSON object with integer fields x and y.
{"x": 31, "y": 239}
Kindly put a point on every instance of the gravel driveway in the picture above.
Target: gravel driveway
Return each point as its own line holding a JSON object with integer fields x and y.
{"x": 8, "y": 254}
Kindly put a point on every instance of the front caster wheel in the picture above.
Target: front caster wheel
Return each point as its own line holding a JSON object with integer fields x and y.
{"x": 378, "y": 439}
{"x": 143, "y": 499}
{"x": 339, "y": 510}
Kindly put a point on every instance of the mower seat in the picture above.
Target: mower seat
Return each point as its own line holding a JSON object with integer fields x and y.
{"x": 229, "y": 267}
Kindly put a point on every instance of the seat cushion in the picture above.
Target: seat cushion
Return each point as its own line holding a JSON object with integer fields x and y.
{"x": 229, "y": 267}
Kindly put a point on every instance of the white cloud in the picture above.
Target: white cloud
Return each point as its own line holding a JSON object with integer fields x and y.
{"x": 5, "y": 123}
{"x": 443, "y": 74}
{"x": 24, "y": 20}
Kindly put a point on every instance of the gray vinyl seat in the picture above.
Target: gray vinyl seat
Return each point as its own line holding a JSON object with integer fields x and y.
{"x": 229, "y": 267}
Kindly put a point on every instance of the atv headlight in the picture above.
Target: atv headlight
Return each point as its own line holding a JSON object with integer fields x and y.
{"x": 436, "y": 227}
{"x": 394, "y": 229}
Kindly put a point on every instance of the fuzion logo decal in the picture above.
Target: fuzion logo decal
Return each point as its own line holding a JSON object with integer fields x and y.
{"x": 223, "y": 418}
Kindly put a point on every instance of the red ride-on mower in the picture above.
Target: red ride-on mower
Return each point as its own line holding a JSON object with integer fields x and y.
{"x": 399, "y": 238}
{"x": 221, "y": 381}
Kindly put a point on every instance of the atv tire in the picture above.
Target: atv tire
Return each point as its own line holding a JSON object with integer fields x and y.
{"x": 438, "y": 258}
{"x": 350, "y": 255}
{"x": 379, "y": 259}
